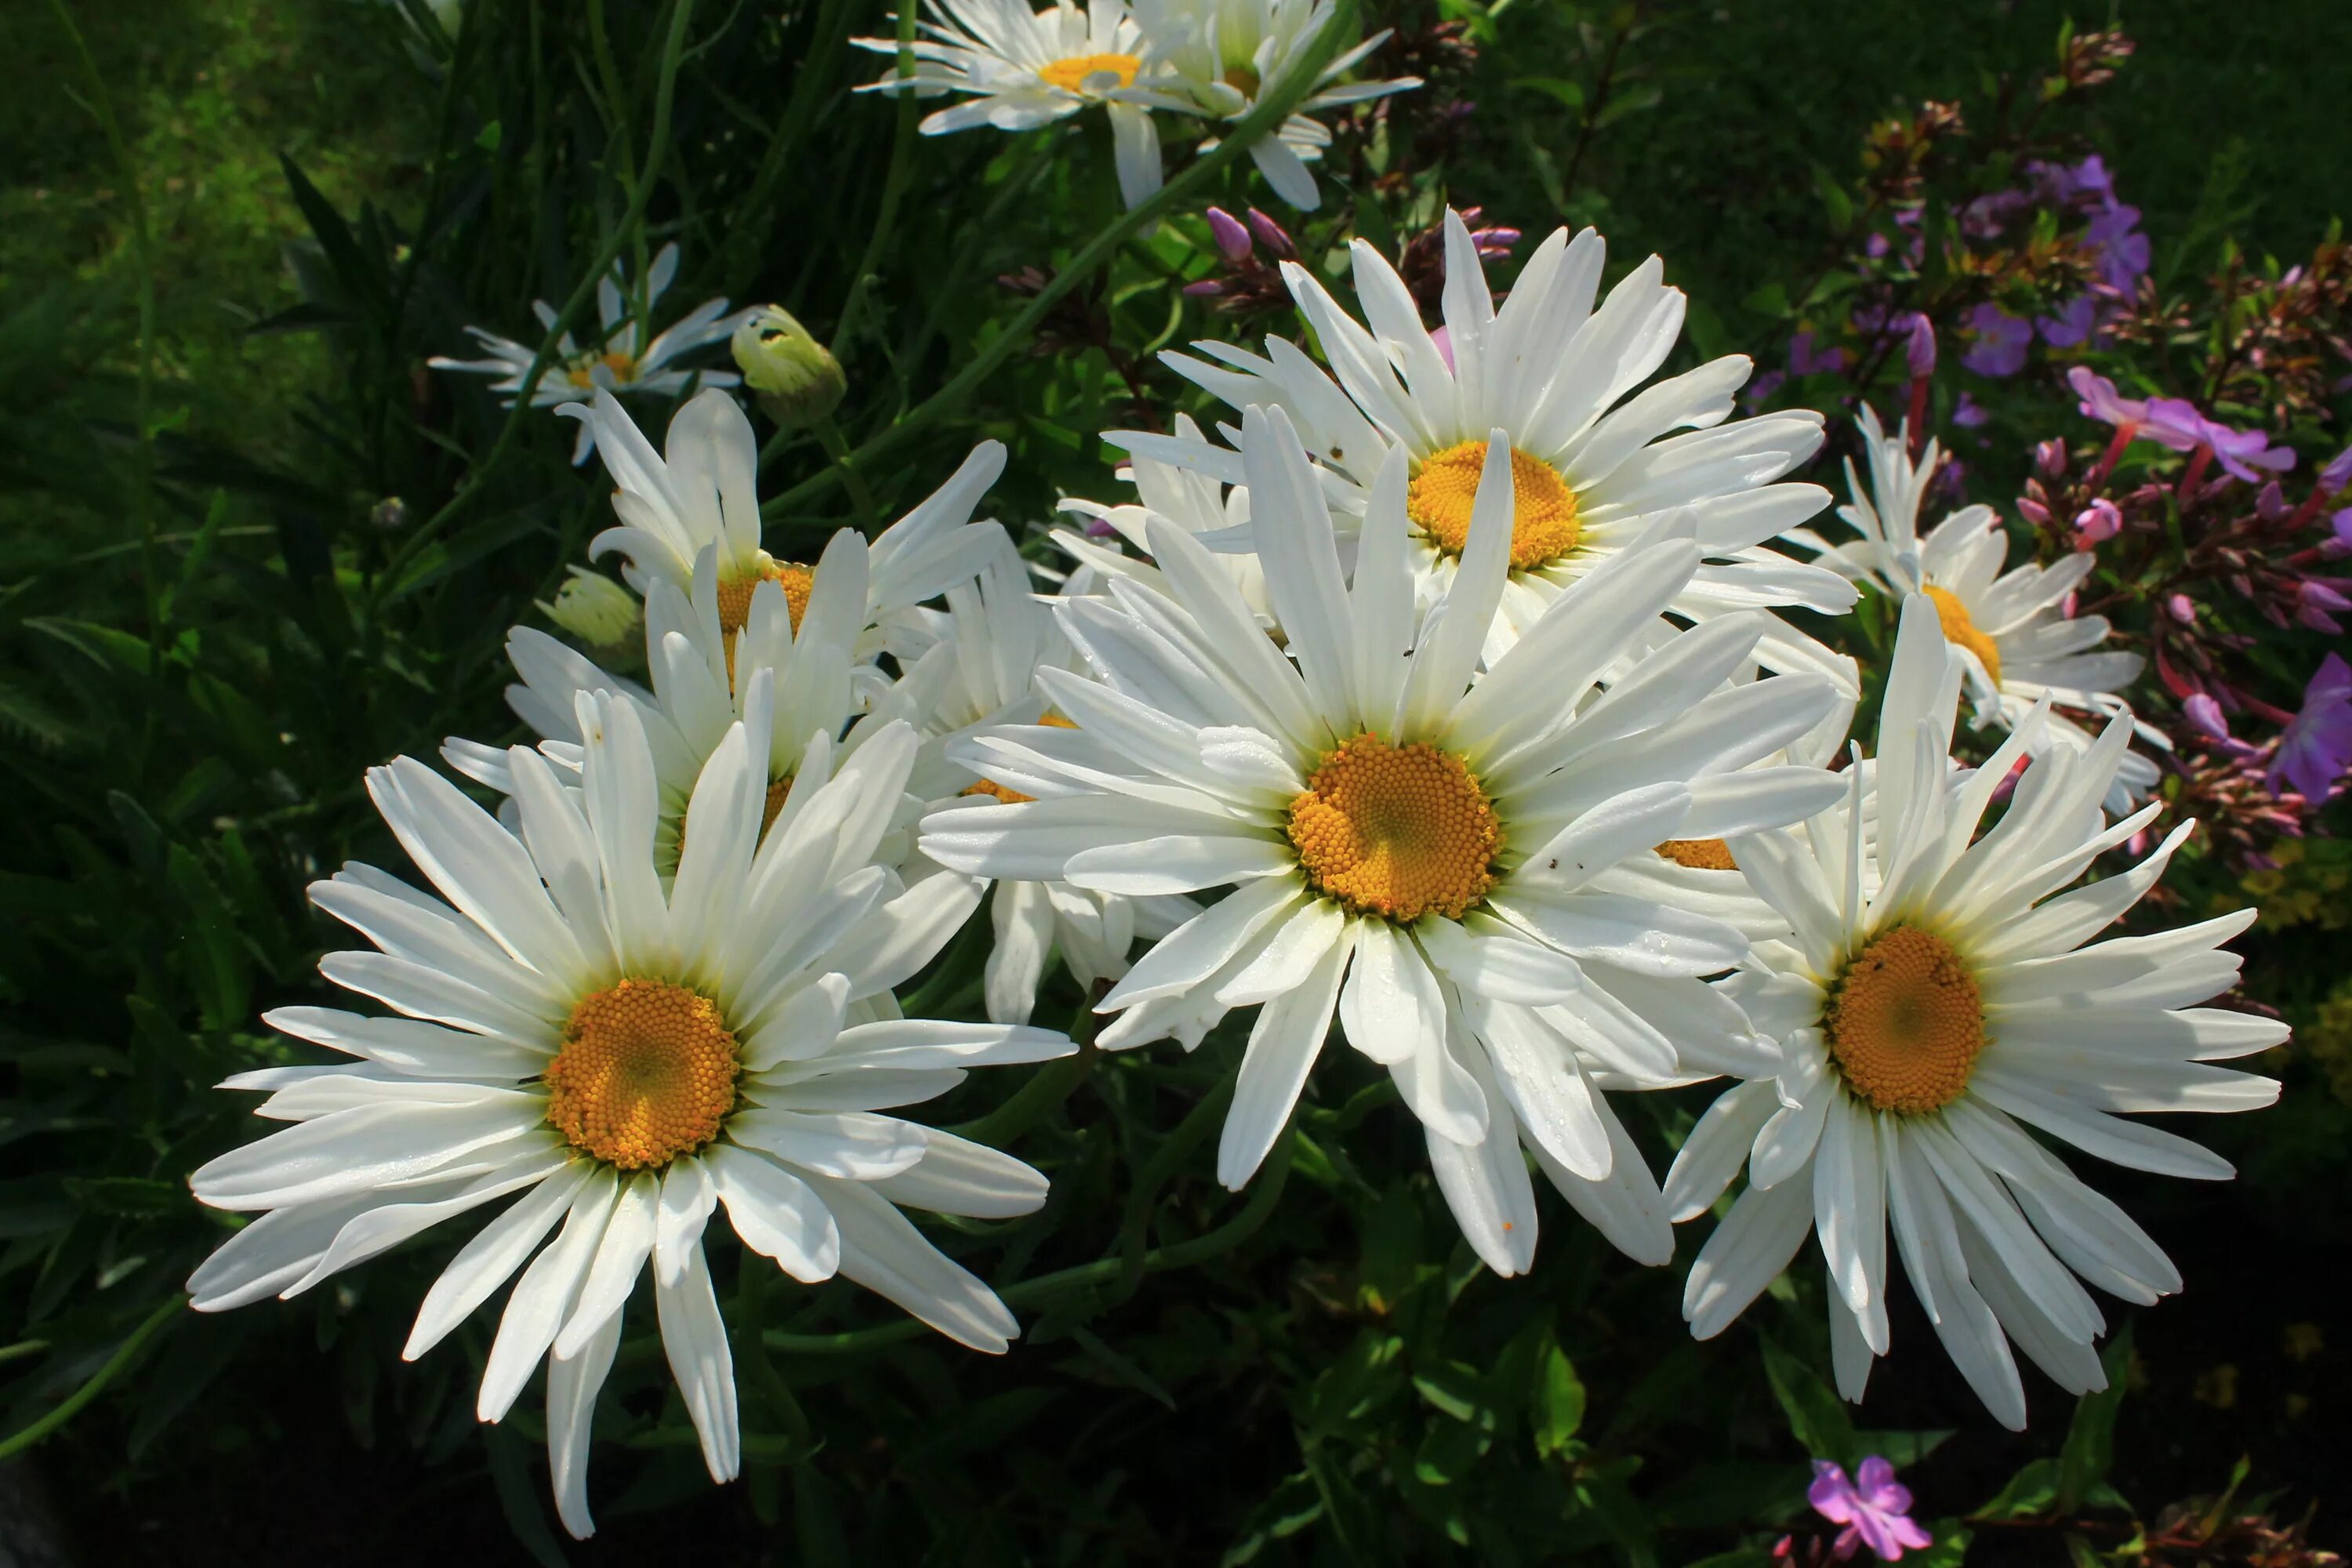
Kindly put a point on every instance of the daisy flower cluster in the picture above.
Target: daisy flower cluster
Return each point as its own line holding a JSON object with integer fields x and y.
{"x": 1458, "y": 698}
{"x": 1207, "y": 62}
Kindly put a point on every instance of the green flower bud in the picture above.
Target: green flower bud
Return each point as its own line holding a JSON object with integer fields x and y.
{"x": 796, "y": 377}
{"x": 598, "y": 612}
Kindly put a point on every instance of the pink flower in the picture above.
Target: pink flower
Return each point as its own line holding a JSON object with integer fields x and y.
{"x": 2101, "y": 402}
{"x": 2175, "y": 423}
{"x": 2099, "y": 522}
{"x": 1876, "y": 1511}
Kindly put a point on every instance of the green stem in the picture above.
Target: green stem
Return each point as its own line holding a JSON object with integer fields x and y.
{"x": 808, "y": 88}
{"x": 1038, "y": 1099}
{"x": 1135, "y": 1228}
{"x": 658, "y": 149}
{"x": 22, "y": 1349}
{"x": 836, "y": 447}
{"x": 894, "y": 187}
{"x": 1261, "y": 121}
{"x": 70, "y": 1406}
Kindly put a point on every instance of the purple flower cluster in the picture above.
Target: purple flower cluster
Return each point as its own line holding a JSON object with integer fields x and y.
{"x": 2110, "y": 241}
{"x": 1873, "y": 1506}
{"x": 2177, "y": 422}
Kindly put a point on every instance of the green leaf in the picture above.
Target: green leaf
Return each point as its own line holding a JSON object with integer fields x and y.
{"x": 1454, "y": 1389}
{"x": 2027, "y": 1495}
{"x": 1817, "y": 1417}
{"x": 2090, "y": 1450}
{"x": 1568, "y": 94}
{"x": 1559, "y": 1410}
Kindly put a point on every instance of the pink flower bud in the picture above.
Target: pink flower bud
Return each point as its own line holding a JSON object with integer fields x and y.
{"x": 2049, "y": 458}
{"x": 2034, "y": 512}
{"x": 2181, "y": 609}
{"x": 2098, "y": 522}
{"x": 1919, "y": 347}
{"x": 2205, "y": 717}
{"x": 1233, "y": 240}
{"x": 1271, "y": 234}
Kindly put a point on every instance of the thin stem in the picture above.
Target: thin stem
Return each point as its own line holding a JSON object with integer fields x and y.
{"x": 1260, "y": 122}
{"x": 142, "y": 238}
{"x": 894, "y": 187}
{"x": 656, "y": 150}
{"x": 1052, "y": 1084}
{"x": 836, "y": 447}
{"x": 70, "y": 1406}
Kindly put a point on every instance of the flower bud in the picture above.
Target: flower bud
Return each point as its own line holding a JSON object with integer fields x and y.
{"x": 1272, "y": 235}
{"x": 2205, "y": 717}
{"x": 1233, "y": 240}
{"x": 796, "y": 377}
{"x": 596, "y": 611}
{"x": 2180, "y": 608}
{"x": 2049, "y": 458}
{"x": 1919, "y": 347}
{"x": 2098, "y": 522}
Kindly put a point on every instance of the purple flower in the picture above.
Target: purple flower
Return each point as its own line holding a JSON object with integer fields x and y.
{"x": 2317, "y": 747}
{"x": 1804, "y": 360}
{"x": 2338, "y": 544}
{"x": 1233, "y": 240}
{"x": 1875, "y": 1512}
{"x": 2101, "y": 402}
{"x": 2337, "y": 475}
{"x": 2122, "y": 250}
{"x": 2001, "y": 342}
{"x": 1766, "y": 384}
{"x": 2205, "y": 717}
{"x": 2099, "y": 522}
{"x": 2317, "y": 604}
{"x": 2072, "y": 326}
{"x": 1968, "y": 413}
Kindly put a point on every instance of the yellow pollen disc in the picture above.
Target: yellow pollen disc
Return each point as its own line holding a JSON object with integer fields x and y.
{"x": 1013, "y": 796}
{"x": 735, "y": 596}
{"x": 1961, "y": 632}
{"x": 1398, "y": 831}
{"x": 1071, "y": 74}
{"x": 1906, "y": 1022}
{"x": 1543, "y": 515}
{"x": 623, "y": 366}
{"x": 1702, "y": 853}
{"x": 1243, "y": 80}
{"x": 646, "y": 1073}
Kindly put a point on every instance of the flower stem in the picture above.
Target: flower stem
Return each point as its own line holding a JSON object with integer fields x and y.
{"x": 72, "y": 1403}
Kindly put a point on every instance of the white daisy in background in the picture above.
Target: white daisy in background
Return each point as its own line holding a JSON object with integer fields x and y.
{"x": 624, "y": 1057}
{"x": 1002, "y": 637}
{"x": 1195, "y": 502}
{"x": 1549, "y": 369}
{"x": 621, "y": 359}
{"x": 1930, "y": 1008}
{"x": 1433, "y": 859}
{"x": 1025, "y": 69}
{"x": 1226, "y": 55}
{"x": 2019, "y": 642}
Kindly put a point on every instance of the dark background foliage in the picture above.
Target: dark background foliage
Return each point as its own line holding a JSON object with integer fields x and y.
{"x": 248, "y": 546}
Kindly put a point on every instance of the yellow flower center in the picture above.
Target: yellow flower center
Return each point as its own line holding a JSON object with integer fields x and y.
{"x": 776, "y": 792}
{"x": 1701, "y": 854}
{"x": 1962, "y": 632}
{"x": 1397, "y": 831}
{"x": 735, "y": 595}
{"x": 1070, "y": 75}
{"x": 1013, "y": 796}
{"x": 1243, "y": 80}
{"x": 646, "y": 1073}
{"x": 1543, "y": 509}
{"x": 1906, "y": 1022}
{"x": 583, "y": 374}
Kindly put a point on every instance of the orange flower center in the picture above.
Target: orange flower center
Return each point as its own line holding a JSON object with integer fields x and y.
{"x": 1398, "y": 831}
{"x": 583, "y": 374}
{"x": 1701, "y": 854}
{"x": 1961, "y": 632}
{"x": 735, "y": 595}
{"x": 1543, "y": 509}
{"x": 1070, "y": 75}
{"x": 1906, "y": 1022}
{"x": 646, "y": 1072}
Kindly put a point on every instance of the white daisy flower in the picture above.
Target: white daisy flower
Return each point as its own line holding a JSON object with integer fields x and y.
{"x": 702, "y": 494}
{"x": 624, "y": 1058}
{"x": 621, "y": 359}
{"x": 1227, "y": 55}
{"x": 1002, "y": 637}
{"x": 1591, "y": 474}
{"x": 2019, "y": 644}
{"x": 1436, "y": 861}
{"x": 1026, "y": 69}
{"x": 1930, "y": 1008}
